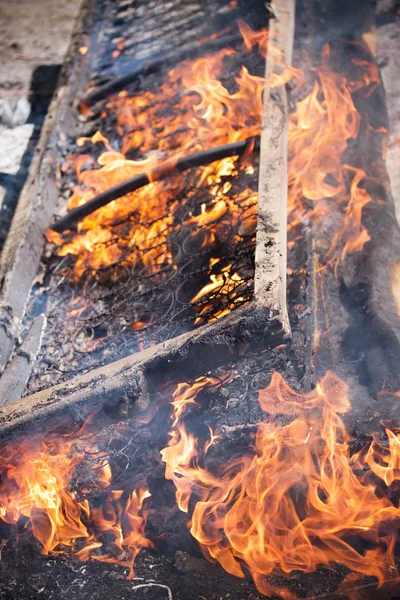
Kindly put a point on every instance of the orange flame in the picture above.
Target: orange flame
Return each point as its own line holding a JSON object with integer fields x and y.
{"x": 295, "y": 502}
{"x": 319, "y": 132}
{"x": 183, "y": 447}
{"x": 209, "y": 114}
{"x": 35, "y": 480}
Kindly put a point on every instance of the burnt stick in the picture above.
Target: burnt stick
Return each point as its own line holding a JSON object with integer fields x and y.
{"x": 164, "y": 170}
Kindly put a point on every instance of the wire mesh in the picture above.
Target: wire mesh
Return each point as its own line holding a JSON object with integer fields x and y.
{"x": 146, "y": 281}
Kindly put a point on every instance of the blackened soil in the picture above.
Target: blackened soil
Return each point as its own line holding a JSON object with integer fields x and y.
{"x": 25, "y": 574}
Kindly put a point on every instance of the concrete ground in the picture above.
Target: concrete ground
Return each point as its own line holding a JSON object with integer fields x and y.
{"x": 32, "y": 33}
{"x": 34, "y": 38}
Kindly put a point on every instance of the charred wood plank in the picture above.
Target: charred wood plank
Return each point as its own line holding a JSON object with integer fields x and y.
{"x": 358, "y": 333}
{"x": 262, "y": 323}
{"x": 194, "y": 353}
{"x": 119, "y": 83}
{"x": 20, "y": 258}
{"x": 18, "y": 370}
{"x": 388, "y": 59}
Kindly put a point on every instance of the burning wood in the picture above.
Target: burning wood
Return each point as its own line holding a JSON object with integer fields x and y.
{"x": 163, "y": 455}
{"x": 39, "y": 492}
{"x": 253, "y": 509}
{"x": 295, "y": 497}
{"x": 179, "y": 252}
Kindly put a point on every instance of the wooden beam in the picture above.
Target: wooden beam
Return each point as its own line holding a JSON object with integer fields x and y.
{"x": 193, "y": 353}
{"x": 358, "y": 323}
{"x": 17, "y": 373}
{"x": 388, "y": 57}
{"x": 271, "y": 246}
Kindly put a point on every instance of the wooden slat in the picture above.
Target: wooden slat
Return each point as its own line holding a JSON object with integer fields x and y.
{"x": 193, "y": 353}
{"x": 16, "y": 376}
{"x": 388, "y": 57}
{"x": 270, "y": 280}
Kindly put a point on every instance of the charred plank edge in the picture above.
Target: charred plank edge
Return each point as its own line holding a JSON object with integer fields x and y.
{"x": 376, "y": 269}
{"x": 158, "y": 173}
{"x": 18, "y": 371}
{"x": 118, "y": 84}
{"x": 385, "y": 21}
{"x": 223, "y": 340}
{"x": 263, "y": 322}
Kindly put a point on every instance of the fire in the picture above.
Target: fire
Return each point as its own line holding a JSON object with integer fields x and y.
{"x": 296, "y": 500}
{"x": 205, "y": 114}
{"x": 296, "y": 497}
{"x": 183, "y": 447}
{"x": 186, "y": 393}
{"x": 35, "y": 479}
{"x": 320, "y": 130}
{"x": 318, "y": 134}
